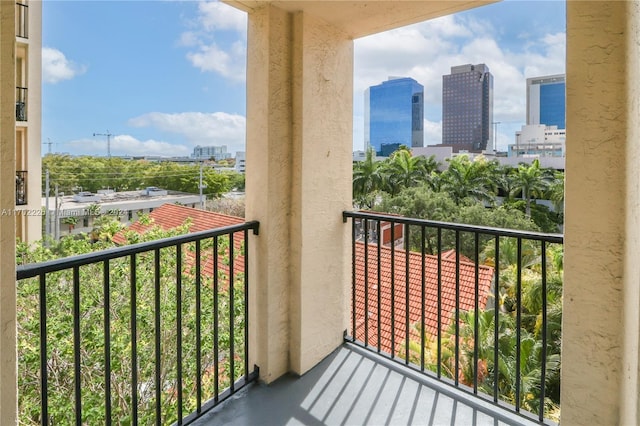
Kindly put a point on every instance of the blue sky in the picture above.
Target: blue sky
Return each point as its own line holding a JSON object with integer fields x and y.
{"x": 165, "y": 76}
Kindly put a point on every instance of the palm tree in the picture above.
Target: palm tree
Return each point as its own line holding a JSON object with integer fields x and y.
{"x": 367, "y": 180}
{"x": 470, "y": 179}
{"x": 406, "y": 171}
{"x": 530, "y": 181}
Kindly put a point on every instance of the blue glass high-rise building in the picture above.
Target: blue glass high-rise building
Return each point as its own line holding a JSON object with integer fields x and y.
{"x": 394, "y": 115}
{"x": 467, "y": 108}
{"x": 546, "y": 100}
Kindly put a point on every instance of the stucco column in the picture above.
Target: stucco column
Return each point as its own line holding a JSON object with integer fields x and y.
{"x": 8, "y": 384}
{"x": 299, "y": 118}
{"x": 602, "y": 229}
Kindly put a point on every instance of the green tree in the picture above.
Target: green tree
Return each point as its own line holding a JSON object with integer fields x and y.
{"x": 60, "y": 307}
{"x": 367, "y": 180}
{"x": 530, "y": 181}
{"x": 470, "y": 179}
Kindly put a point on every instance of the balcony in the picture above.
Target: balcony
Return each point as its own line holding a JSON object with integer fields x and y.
{"x": 21, "y": 104}
{"x": 166, "y": 324}
{"x": 21, "y": 188}
{"x": 22, "y": 20}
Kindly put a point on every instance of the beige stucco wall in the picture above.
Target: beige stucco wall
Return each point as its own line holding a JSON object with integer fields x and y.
{"x": 298, "y": 183}
{"x": 600, "y": 311}
{"x": 322, "y": 71}
{"x": 8, "y": 389}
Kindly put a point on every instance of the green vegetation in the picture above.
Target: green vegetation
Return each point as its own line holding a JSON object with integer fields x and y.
{"x": 60, "y": 314}
{"x": 73, "y": 174}
{"x": 467, "y": 192}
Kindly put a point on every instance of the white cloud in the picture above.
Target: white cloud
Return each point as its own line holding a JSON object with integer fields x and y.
{"x": 127, "y": 145}
{"x": 230, "y": 64}
{"x": 219, "y": 16}
{"x": 432, "y": 132}
{"x": 217, "y": 40}
{"x": 218, "y": 128}
{"x": 56, "y": 67}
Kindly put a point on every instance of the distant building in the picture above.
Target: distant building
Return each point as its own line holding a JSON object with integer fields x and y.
{"x": 467, "y": 108}
{"x": 538, "y": 140}
{"x": 240, "y": 162}
{"x": 546, "y": 100}
{"x": 76, "y": 213}
{"x": 208, "y": 152}
{"x": 28, "y": 114}
{"x": 394, "y": 115}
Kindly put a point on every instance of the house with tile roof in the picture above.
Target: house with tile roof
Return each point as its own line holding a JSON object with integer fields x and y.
{"x": 391, "y": 285}
{"x": 381, "y": 293}
{"x": 170, "y": 216}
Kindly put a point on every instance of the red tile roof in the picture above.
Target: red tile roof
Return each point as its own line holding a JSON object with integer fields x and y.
{"x": 467, "y": 278}
{"x": 170, "y": 216}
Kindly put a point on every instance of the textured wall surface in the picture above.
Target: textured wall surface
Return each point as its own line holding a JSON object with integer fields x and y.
{"x": 600, "y": 194}
{"x": 8, "y": 390}
{"x": 268, "y": 183}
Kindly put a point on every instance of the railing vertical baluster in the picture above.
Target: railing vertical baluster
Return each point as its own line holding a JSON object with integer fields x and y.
{"x": 158, "y": 335}
{"x": 44, "y": 371}
{"x": 496, "y": 322}
{"x": 439, "y": 349}
{"x": 366, "y": 283}
{"x": 406, "y": 292}
{"x": 231, "y": 314}
{"x": 246, "y": 305}
{"x": 518, "y": 323}
{"x": 476, "y": 312}
{"x": 353, "y": 280}
{"x": 379, "y": 264}
{"x": 179, "y": 329}
{"x": 106, "y": 279}
{"x": 393, "y": 289}
{"x": 457, "y": 314}
{"x": 134, "y": 341}
{"x": 76, "y": 345}
{"x": 543, "y": 369}
{"x": 423, "y": 299}
{"x": 198, "y": 332}
{"x": 216, "y": 313}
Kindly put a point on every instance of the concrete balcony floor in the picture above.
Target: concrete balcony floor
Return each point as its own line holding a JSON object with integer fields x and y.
{"x": 355, "y": 387}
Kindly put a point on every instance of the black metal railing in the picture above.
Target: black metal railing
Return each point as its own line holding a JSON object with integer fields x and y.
{"x": 21, "y": 104}
{"x": 22, "y": 20}
{"x": 476, "y": 307}
{"x": 21, "y": 188}
{"x": 150, "y": 333}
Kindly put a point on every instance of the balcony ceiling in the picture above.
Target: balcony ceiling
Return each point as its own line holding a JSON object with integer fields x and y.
{"x": 363, "y": 18}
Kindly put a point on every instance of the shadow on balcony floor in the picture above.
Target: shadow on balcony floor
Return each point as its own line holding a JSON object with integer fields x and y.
{"x": 354, "y": 387}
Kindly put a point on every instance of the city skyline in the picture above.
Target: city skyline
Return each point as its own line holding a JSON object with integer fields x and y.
{"x": 164, "y": 84}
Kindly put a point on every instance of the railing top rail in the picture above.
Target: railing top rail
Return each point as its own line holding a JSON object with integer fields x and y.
{"x": 499, "y": 232}
{"x": 35, "y": 269}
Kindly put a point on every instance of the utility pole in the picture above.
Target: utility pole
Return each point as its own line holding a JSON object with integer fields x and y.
{"x": 108, "y": 135}
{"x": 56, "y": 218}
{"x": 201, "y": 186}
{"x": 49, "y": 143}
{"x": 495, "y": 135}
{"x": 47, "y": 218}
